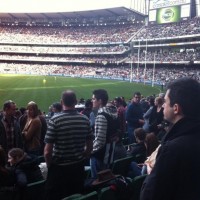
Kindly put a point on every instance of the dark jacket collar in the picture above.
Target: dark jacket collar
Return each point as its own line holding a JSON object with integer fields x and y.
{"x": 185, "y": 126}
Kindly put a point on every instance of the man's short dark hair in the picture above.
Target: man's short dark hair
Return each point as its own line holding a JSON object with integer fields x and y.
{"x": 119, "y": 100}
{"x": 101, "y": 94}
{"x": 57, "y": 106}
{"x": 137, "y": 93}
{"x": 88, "y": 103}
{"x": 69, "y": 98}
{"x": 186, "y": 93}
{"x": 7, "y": 104}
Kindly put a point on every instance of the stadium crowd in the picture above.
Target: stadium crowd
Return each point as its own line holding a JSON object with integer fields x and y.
{"x": 68, "y": 35}
{"x": 74, "y": 58}
{"x": 168, "y": 55}
{"x": 63, "y": 50}
{"x": 162, "y": 75}
{"x": 97, "y": 34}
{"x": 183, "y": 28}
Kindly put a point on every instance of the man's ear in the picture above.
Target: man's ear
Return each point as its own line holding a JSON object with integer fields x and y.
{"x": 100, "y": 101}
{"x": 177, "y": 109}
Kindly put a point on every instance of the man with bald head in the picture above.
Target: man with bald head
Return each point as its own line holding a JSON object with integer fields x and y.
{"x": 68, "y": 143}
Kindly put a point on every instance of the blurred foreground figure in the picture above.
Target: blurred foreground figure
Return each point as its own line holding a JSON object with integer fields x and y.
{"x": 176, "y": 171}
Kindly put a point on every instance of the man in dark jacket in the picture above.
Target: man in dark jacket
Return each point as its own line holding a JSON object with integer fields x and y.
{"x": 10, "y": 134}
{"x": 176, "y": 172}
{"x": 134, "y": 116}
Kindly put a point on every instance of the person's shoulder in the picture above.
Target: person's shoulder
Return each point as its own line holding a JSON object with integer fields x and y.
{"x": 102, "y": 116}
{"x": 59, "y": 115}
{"x": 129, "y": 105}
{"x": 36, "y": 120}
{"x": 121, "y": 109}
{"x": 82, "y": 116}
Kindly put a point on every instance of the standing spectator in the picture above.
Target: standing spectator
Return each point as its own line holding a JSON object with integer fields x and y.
{"x": 134, "y": 116}
{"x": 120, "y": 150}
{"x": 103, "y": 145}
{"x": 147, "y": 114}
{"x": 50, "y": 113}
{"x": 32, "y": 130}
{"x": 124, "y": 102}
{"x": 68, "y": 143}
{"x": 121, "y": 115}
{"x": 22, "y": 122}
{"x": 10, "y": 134}
{"x": 144, "y": 104}
{"x": 87, "y": 111}
{"x": 175, "y": 174}
{"x": 88, "y": 108}
{"x": 43, "y": 133}
{"x": 156, "y": 116}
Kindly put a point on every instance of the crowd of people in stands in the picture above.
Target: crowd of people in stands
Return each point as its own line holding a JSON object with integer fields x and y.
{"x": 168, "y": 55}
{"x": 162, "y": 75}
{"x": 91, "y": 35}
{"x": 183, "y": 28}
{"x": 97, "y": 34}
{"x": 74, "y": 58}
{"x": 63, "y": 50}
{"x": 108, "y": 54}
{"x": 68, "y": 35}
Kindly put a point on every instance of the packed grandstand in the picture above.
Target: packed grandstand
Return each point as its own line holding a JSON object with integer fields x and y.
{"x": 123, "y": 46}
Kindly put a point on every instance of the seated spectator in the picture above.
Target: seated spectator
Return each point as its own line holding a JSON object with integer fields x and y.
{"x": 24, "y": 166}
{"x": 120, "y": 151}
{"x": 139, "y": 148}
{"x": 152, "y": 144}
{"x": 7, "y": 180}
{"x": 150, "y": 162}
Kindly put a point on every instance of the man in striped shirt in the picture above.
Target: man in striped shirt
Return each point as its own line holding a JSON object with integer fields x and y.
{"x": 103, "y": 144}
{"x": 68, "y": 143}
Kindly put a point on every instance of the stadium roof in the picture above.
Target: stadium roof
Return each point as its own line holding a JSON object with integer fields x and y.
{"x": 108, "y": 12}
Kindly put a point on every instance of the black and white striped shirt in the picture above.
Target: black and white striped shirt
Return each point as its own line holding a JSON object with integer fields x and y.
{"x": 68, "y": 131}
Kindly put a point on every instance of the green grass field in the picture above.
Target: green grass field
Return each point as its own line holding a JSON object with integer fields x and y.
{"x": 23, "y": 89}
